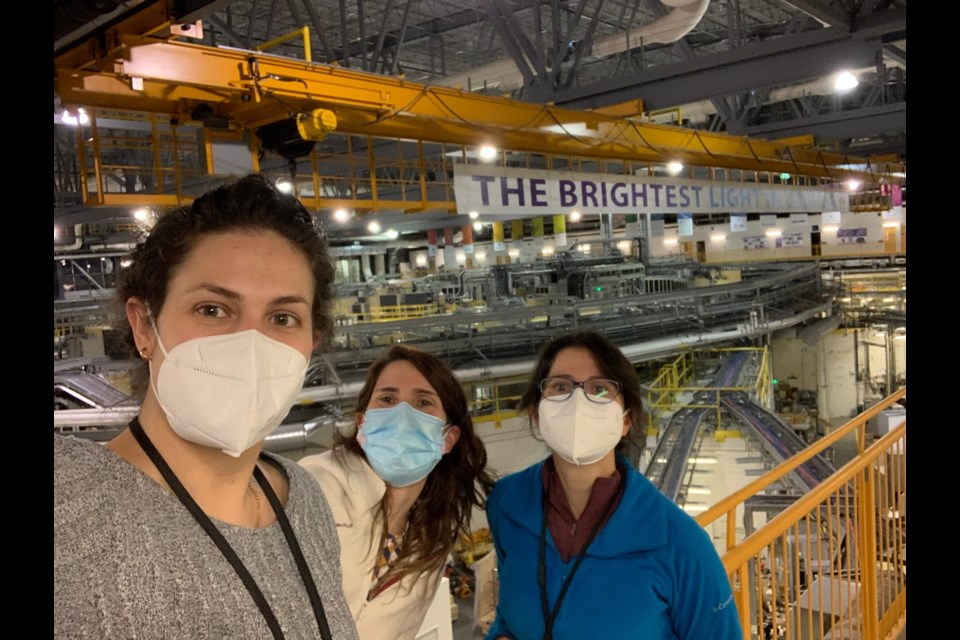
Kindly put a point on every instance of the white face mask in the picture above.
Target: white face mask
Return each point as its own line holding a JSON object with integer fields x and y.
{"x": 578, "y": 430}
{"x": 228, "y": 391}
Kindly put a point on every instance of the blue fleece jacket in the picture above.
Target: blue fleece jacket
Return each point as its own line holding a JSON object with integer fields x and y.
{"x": 652, "y": 572}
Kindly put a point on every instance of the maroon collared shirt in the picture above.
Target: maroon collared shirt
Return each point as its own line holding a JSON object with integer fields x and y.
{"x": 569, "y": 533}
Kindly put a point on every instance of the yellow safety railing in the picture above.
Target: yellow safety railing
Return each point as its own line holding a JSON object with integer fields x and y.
{"x": 663, "y": 393}
{"x": 834, "y": 561}
{"x": 303, "y": 32}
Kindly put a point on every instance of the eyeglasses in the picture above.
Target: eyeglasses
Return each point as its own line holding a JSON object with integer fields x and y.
{"x": 599, "y": 390}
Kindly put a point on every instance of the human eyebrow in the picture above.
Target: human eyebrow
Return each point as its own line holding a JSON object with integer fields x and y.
{"x": 217, "y": 289}
{"x": 290, "y": 300}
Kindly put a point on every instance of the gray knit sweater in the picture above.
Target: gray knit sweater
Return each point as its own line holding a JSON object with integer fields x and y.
{"x": 131, "y": 562}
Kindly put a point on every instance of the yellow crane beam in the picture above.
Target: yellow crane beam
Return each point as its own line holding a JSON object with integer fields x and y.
{"x": 252, "y": 89}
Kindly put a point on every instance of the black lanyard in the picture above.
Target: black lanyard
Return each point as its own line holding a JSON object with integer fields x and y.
{"x": 225, "y": 547}
{"x": 549, "y": 617}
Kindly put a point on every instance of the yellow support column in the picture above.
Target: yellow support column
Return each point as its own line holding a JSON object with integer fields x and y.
{"x": 516, "y": 235}
{"x": 499, "y": 247}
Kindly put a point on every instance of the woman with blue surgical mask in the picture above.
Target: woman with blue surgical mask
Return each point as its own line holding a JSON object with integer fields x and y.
{"x": 586, "y": 546}
{"x": 402, "y": 488}
{"x": 181, "y": 526}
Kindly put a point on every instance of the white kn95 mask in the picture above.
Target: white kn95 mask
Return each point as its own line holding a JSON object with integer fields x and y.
{"x": 228, "y": 391}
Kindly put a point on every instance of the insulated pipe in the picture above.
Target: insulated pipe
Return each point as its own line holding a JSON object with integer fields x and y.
{"x": 644, "y": 350}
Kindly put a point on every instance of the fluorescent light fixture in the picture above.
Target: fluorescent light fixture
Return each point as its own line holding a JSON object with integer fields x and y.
{"x": 888, "y": 299}
{"x": 585, "y": 249}
{"x": 421, "y": 260}
{"x": 481, "y": 255}
{"x": 514, "y": 253}
{"x": 698, "y": 491}
{"x": 474, "y": 215}
{"x": 56, "y": 232}
{"x": 341, "y": 215}
{"x": 718, "y": 237}
{"x": 898, "y": 174}
{"x": 702, "y": 460}
{"x": 832, "y": 228}
{"x": 845, "y": 81}
{"x": 488, "y": 152}
{"x": 575, "y": 216}
{"x": 547, "y": 251}
{"x": 624, "y": 246}
{"x": 674, "y": 167}
{"x": 374, "y": 227}
{"x": 461, "y": 257}
{"x": 393, "y": 234}
{"x": 902, "y": 337}
{"x": 891, "y": 225}
{"x": 73, "y": 120}
{"x": 670, "y": 242}
{"x": 846, "y": 299}
{"x": 774, "y": 233}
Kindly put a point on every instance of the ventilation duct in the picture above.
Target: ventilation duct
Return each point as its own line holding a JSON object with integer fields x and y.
{"x": 505, "y": 75}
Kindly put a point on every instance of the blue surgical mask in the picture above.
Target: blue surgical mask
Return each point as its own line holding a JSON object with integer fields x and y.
{"x": 403, "y": 445}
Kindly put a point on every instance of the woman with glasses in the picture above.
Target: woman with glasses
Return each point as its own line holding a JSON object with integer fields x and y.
{"x": 586, "y": 546}
{"x": 402, "y": 488}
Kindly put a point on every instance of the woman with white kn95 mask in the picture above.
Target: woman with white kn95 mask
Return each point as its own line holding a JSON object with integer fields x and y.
{"x": 586, "y": 546}
{"x": 181, "y": 526}
{"x": 402, "y": 488}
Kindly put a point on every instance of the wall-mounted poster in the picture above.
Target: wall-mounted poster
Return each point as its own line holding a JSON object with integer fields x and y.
{"x": 684, "y": 224}
{"x": 656, "y": 224}
{"x": 754, "y": 242}
{"x": 738, "y": 222}
{"x": 798, "y": 219}
{"x": 768, "y": 220}
{"x": 790, "y": 240}
{"x": 850, "y": 236}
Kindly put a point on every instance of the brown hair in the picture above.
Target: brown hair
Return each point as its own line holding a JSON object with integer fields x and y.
{"x": 249, "y": 203}
{"x": 612, "y": 364}
{"x": 459, "y": 482}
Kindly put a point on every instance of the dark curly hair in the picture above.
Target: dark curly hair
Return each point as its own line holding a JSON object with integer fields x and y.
{"x": 459, "y": 482}
{"x": 250, "y": 203}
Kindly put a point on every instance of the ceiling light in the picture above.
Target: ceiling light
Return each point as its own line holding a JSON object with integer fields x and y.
{"x": 698, "y": 491}
{"x": 774, "y": 233}
{"x": 373, "y": 226}
{"x": 514, "y": 253}
{"x": 56, "y": 232}
{"x": 575, "y": 216}
{"x": 670, "y": 242}
{"x": 832, "y": 228}
{"x": 126, "y": 262}
{"x": 481, "y": 255}
{"x": 284, "y": 185}
{"x": 341, "y": 215}
{"x": 853, "y": 185}
{"x": 141, "y": 214}
{"x": 478, "y": 226}
{"x": 718, "y": 237}
{"x": 421, "y": 260}
{"x": 702, "y": 460}
{"x": 845, "y": 81}
{"x": 474, "y": 215}
{"x": 393, "y": 234}
{"x": 461, "y": 257}
{"x": 891, "y": 225}
{"x": 674, "y": 167}
{"x": 488, "y": 152}
{"x": 547, "y": 251}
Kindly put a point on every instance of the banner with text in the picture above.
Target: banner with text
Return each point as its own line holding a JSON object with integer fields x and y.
{"x": 506, "y": 190}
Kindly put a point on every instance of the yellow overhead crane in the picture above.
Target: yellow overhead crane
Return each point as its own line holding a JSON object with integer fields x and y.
{"x": 250, "y": 89}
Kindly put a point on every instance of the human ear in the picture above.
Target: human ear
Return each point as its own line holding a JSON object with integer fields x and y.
{"x": 144, "y": 335}
{"x": 450, "y": 438}
{"x": 627, "y": 423}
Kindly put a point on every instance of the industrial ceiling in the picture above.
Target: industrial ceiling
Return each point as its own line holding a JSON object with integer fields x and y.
{"x": 762, "y": 69}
